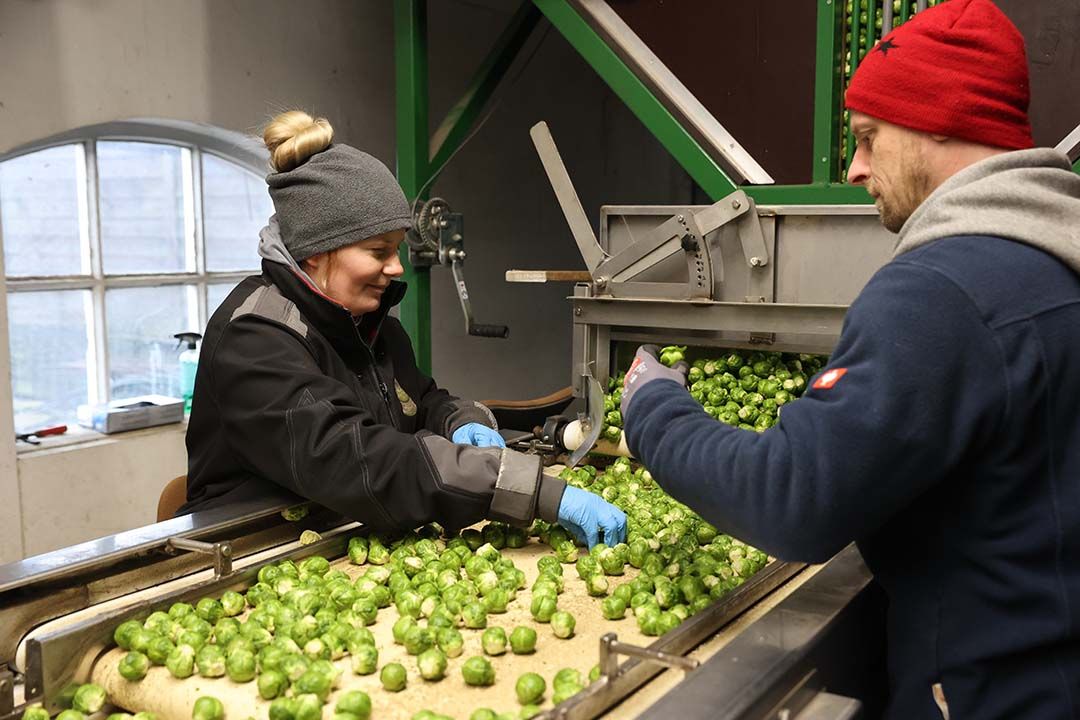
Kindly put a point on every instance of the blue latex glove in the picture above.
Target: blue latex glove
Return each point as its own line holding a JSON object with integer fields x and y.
{"x": 587, "y": 515}
{"x": 646, "y": 368}
{"x": 478, "y": 435}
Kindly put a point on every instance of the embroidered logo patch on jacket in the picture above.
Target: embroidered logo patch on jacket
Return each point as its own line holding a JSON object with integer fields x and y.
{"x": 407, "y": 405}
{"x": 829, "y": 378}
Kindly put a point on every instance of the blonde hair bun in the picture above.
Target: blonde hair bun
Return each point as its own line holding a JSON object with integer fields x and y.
{"x": 294, "y": 136}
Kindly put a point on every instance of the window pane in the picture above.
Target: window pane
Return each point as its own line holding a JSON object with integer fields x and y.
{"x": 43, "y": 211}
{"x": 145, "y": 207}
{"x": 140, "y": 326}
{"x": 50, "y": 354}
{"x": 236, "y": 206}
{"x": 216, "y": 294}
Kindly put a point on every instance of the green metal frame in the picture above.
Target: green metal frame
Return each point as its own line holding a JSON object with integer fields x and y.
{"x": 420, "y": 158}
{"x": 673, "y": 136}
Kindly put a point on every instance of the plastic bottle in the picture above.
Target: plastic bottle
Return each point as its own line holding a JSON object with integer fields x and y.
{"x": 189, "y": 363}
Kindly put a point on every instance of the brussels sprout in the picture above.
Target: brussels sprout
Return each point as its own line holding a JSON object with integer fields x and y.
{"x": 562, "y": 624}
{"x": 294, "y": 666}
{"x": 432, "y": 664}
{"x": 543, "y": 607}
{"x": 358, "y": 550}
{"x": 522, "y": 640}
{"x": 225, "y": 630}
{"x": 568, "y": 677}
{"x": 393, "y": 677}
{"x": 611, "y": 563}
{"x": 365, "y": 659}
{"x": 475, "y": 616}
{"x": 594, "y": 673}
{"x": 483, "y": 714}
{"x": 210, "y": 660}
{"x": 123, "y": 634}
{"x": 488, "y": 552}
{"x": 209, "y": 610}
{"x": 141, "y": 639}
{"x": 144, "y": 716}
{"x": 587, "y": 566}
{"x": 181, "y": 661}
{"x": 88, "y": 698}
{"x": 530, "y": 688}
{"x": 240, "y": 665}
{"x": 308, "y": 706}
{"x": 478, "y": 671}
{"x": 36, "y": 712}
{"x": 134, "y": 666}
{"x": 613, "y": 608}
{"x": 355, "y": 702}
{"x": 596, "y": 585}
{"x": 232, "y": 603}
{"x": 451, "y": 642}
{"x": 529, "y": 711}
{"x": 377, "y": 553}
{"x": 315, "y": 683}
{"x": 272, "y": 683}
{"x": 70, "y": 715}
{"x": 401, "y": 627}
{"x": 515, "y": 537}
{"x": 566, "y": 552}
{"x": 208, "y": 708}
{"x": 418, "y": 639}
{"x": 308, "y": 537}
{"x": 158, "y": 650}
{"x": 496, "y": 601}
{"x": 494, "y": 641}
{"x": 494, "y": 534}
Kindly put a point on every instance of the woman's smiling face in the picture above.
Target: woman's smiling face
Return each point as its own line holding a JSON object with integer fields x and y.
{"x": 356, "y": 275}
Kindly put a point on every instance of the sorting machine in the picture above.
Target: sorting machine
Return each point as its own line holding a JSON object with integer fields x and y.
{"x": 733, "y": 274}
{"x": 793, "y": 642}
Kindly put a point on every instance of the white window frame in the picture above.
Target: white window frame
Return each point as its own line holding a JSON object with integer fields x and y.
{"x": 195, "y": 141}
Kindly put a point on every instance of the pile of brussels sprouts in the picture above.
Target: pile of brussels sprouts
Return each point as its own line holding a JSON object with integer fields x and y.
{"x": 741, "y": 388}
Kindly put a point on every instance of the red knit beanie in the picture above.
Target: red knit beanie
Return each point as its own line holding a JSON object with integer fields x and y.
{"x": 957, "y": 69}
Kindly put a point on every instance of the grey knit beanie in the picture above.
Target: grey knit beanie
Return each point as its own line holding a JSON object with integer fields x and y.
{"x": 337, "y": 197}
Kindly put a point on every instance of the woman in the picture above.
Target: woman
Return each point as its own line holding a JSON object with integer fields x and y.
{"x": 306, "y": 384}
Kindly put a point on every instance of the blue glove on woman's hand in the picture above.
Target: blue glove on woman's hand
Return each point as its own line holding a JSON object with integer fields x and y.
{"x": 586, "y": 515}
{"x": 478, "y": 435}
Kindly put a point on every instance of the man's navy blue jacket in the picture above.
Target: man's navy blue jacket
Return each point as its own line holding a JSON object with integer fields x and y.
{"x": 949, "y": 449}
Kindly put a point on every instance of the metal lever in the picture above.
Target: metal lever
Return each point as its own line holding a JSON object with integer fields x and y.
{"x": 471, "y": 327}
{"x": 222, "y": 552}
{"x": 610, "y": 648}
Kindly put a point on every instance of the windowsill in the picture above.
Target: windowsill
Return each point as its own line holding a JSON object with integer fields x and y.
{"x": 78, "y": 436}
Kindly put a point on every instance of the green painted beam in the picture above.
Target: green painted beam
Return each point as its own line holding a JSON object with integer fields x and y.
{"x": 828, "y": 64}
{"x": 1076, "y": 166}
{"x": 821, "y": 194}
{"x": 410, "y": 64}
{"x": 682, "y": 146}
{"x": 459, "y": 121}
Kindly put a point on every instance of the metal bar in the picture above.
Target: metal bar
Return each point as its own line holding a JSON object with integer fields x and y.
{"x": 55, "y": 659}
{"x": 834, "y": 194}
{"x": 610, "y": 690}
{"x": 853, "y": 61}
{"x": 905, "y": 10}
{"x": 921, "y": 5}
{"x": 221, "y": 552}
{"x": 457, "y": 123}
{"x": 827, "y": 76}
{"x": 413, "y": 168}
{"x": 660, "y": 122}
{"x": 886, "y": 17}
{"x": 566, "y": 195}
{"x": 797, "y": 319}
{"x": 1070, "y": 144}
{"x": 871, "y": 26}
{"x": 713, "y": 137}
{"x": 765, "y": 666}
{"x": 611, "y": 648}
{"x": 74, "y": 282}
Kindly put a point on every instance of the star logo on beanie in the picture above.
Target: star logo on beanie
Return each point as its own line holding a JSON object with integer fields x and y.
{"x": 885, "y": 46}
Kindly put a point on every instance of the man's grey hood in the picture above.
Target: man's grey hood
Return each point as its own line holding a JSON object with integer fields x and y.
{"x": 1030, "y": 196}
{"x": 272, "y": 248}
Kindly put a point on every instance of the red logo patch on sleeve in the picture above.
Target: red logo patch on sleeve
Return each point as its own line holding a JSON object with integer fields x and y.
{"x": 829, "y": 378}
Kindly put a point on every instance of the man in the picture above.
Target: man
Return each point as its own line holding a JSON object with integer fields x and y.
{"x": 944, "y": 436}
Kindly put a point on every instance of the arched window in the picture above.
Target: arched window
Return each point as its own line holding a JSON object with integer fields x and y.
{"x": 116, "y": 237}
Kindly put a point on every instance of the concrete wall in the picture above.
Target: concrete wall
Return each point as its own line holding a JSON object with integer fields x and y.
{"x": 232, "y": 63}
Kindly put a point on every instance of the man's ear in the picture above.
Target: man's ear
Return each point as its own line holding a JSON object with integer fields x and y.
{"x": 313, "y": 264}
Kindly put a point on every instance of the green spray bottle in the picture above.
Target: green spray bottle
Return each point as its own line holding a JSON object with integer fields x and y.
{"x": 189, "y": 364}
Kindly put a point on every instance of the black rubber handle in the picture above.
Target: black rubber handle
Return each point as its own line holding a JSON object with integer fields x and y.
{"x": 491, "y": 331}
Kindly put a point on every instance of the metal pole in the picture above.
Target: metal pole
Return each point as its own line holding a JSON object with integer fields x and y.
{"x": 410, "y": 61}
{"x": 827, "y": 75}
